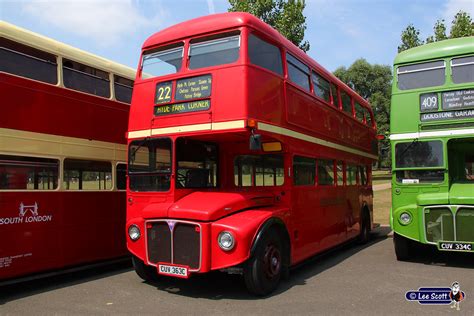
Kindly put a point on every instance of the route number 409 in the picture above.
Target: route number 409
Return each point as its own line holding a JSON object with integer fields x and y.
{"x": 430, "y": 102}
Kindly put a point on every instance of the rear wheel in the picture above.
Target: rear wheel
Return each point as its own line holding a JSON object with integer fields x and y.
{"x": 147, "y": 273}
{"x": 263, "y": 270}
{"x": 403, "y": 247}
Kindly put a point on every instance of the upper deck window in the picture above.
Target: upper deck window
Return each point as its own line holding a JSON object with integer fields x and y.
{"x": 213, "y": 52}
{"x": 298, "y": 72}
{"x": 321, "y": 87}
{"x": 264, "y": 54}
{"x": 346, "y": 103}
{"x": 462, "y": 69}
{"x": 123, "y": 89}
{"x": 162, "y": 61}
{"x": 368, "y": 117}
{"x": 422, "y": 75}
{"x": 335, "y": 96}
{"x": 85, "y": 78}
{"x": 25, "y": 61}
{"x": 359, "y": 111}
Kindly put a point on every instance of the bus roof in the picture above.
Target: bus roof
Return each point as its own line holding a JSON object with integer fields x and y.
{"x": 49, "y": 45}
{"x": 441, "y": 49}
{"x": 231, "y": 20}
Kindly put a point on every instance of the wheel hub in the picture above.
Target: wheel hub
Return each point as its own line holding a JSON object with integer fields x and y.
{"x": 272, "y": 261}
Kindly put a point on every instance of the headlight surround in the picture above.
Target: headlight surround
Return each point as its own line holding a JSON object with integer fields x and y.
{"x": 226, "y": 240}
{"x": 405, "y": 218}
{"x": 134, "y": 232}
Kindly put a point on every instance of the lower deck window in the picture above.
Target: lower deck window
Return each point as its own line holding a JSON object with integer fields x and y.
{"x": 87, "y": 175}
{"x": 254, "y": 170}
{"x": 28, "y": 173}
{"x": 326, "y": 172}
{"x": 304, "y": 170}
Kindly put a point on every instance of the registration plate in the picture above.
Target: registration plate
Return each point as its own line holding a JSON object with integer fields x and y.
{"x": 173, "y": 270}
{"x": 456, "y": 246}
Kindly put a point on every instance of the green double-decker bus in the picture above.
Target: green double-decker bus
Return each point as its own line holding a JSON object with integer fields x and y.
{"x": 432, "y": 141}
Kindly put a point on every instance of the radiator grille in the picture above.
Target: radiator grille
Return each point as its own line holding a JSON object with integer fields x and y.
{"x": 180, "y": 244}
{"x": 465, "y": 224}
{"x": 444, "y": 224}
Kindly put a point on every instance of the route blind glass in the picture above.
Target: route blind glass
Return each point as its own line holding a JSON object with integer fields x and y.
{"x": 422, "y": 75}
{"x": 162, "y": 61}
{"x": 214, "y": 52}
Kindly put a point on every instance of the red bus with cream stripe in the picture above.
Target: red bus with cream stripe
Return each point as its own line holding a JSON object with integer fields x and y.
{"x": 245, "y": 155}
{"x": 62, "y": 156}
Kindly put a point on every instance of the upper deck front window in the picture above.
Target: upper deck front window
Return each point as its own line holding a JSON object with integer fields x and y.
{"x": 213, "y": 52}
{"x": 162, "y": 61}
{"x": 429, "y": 74}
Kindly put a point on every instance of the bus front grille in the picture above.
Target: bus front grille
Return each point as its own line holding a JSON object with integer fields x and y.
{"x": 442, "y": 225}
{"x": 465, "y": 224}
{"x": 174, "y": 242}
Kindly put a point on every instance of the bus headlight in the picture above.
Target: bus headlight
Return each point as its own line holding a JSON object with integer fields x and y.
{"x": 133, "y": 232}
{"x": 405, "y": 218}
{"x": 226, "y": 241}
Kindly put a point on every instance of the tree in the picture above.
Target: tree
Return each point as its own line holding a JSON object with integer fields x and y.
{"x": 372, "y": 82}
{"x": 439, "y": 32}
{"x": 285, "y": 16}
{"x": 410, "y": 38}
{"x": 462, "y": 25}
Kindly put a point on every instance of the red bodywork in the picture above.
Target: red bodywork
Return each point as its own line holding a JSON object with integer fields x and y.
{"x": 79, "y": 227}
{"x": 315, "y": 217}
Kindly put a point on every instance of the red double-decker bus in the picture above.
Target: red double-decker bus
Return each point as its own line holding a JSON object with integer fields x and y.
{"x": 245, "y": 155}
{"x": 63, "y": 120}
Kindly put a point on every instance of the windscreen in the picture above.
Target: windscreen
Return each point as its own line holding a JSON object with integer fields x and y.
{"x": 418, "y": 154}
{"x": 149, "y": 164}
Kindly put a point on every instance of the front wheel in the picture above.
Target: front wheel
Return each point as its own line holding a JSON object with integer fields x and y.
{"x": 403, "y": 247}
{"x": 263, "y": 270}
{"x": 147, "y": 273}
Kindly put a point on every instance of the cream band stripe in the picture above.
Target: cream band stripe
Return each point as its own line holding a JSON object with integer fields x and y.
{"x": 311, "y": 139}
{"x": 456, "y": 132}
{"x": 218, "y": 126}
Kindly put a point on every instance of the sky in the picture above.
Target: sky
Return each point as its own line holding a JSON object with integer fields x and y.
{"x": 339, "y": 31}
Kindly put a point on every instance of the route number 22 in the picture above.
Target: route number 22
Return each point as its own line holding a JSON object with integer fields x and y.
{"x": 163, "y": 93}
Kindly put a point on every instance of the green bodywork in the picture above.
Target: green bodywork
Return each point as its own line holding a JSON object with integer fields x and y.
{"x": 441, "y": 210}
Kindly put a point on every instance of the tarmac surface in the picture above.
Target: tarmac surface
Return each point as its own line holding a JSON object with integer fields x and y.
{"x": 361, "y": 280}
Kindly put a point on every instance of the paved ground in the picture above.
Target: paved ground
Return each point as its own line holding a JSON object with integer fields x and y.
{"x": 364, "y": 280}
{"x": 383, "y": 186}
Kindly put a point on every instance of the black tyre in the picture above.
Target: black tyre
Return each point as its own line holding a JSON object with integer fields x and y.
{"x": 364, "y": 235}
{"x": 403, "y": 247}
{"x": 264, "y": 269}
{"x": 147, "y": 273}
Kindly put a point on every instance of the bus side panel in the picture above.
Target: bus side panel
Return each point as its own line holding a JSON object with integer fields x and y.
{"x": 49, "y": 230}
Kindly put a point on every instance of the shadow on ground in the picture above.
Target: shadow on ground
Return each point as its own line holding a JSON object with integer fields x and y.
{"x": 44, "y": 284}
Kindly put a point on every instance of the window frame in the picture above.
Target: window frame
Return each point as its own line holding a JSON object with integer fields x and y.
{"x": 421, "y": 70}
{"x": 207, "y": 40}
{"x": 316, "y": 74}
{"x": 314, "y": 161}
{"x": 299, "y": 65}
{"x": 460, "y": 65}
{"x": 161, "y": 49}
{"x": 80, "y": 184}
{"x": 264, "y": 39}
{"x": 333, "y": 161}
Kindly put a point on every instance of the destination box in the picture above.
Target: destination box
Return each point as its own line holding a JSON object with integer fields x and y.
{"x": 185, "y": 107}
{"x": 447, "y": 115}
{"x": 458, "y": 99}
{"x": 193, "y": 88}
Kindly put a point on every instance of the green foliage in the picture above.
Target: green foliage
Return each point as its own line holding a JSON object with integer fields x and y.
{"x": 439, "y": 32}
{"x": 285, "y": 16}
{"x": 372, "y": 82}
{"x": 410, "y": 38}
{"x": 462, "y": 25}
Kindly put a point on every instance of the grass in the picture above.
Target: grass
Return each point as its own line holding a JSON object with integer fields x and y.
{"x": 382, "y": 204}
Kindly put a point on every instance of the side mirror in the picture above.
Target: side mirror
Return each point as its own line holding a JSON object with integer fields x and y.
{"x": 380, "y": 137}
{"x": 255, "y": 142}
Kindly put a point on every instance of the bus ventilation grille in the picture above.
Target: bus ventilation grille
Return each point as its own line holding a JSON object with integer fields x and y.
{"x": 179, "y": 245}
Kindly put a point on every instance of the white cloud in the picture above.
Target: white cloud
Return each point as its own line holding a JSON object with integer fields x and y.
{"x": 210, "y": 5}
{"x": 103, "y": 21}
{"x": 454, "y": 6}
